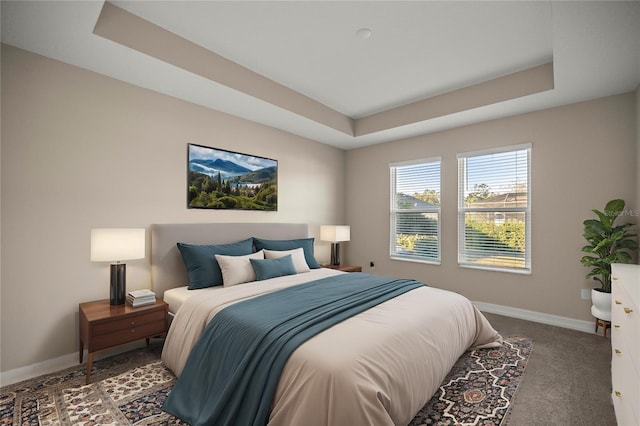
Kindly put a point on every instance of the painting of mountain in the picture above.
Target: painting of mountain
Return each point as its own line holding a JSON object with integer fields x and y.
{"x": 221, "y": 179}
{"x": 227, "y": 168}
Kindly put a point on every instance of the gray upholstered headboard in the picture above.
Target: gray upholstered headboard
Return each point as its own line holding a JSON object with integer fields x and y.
{"x": 168, "y": 270}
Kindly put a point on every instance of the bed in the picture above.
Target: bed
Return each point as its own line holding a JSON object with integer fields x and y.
{"x": 377, "y": 367}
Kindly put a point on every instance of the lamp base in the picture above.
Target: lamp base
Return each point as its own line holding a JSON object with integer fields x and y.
{"x": 118, "y": 288}
{"x": 335, "y": 253}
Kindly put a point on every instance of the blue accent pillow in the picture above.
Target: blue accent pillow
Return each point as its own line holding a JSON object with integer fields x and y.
{"x": 201, "y": 264}
{"x": 305, "y": 243}
{"x": 271, "y": 268}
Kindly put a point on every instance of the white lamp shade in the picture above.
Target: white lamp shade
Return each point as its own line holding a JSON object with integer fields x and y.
{"x": 113, "y": 244}
{"x": 335, "y": 233}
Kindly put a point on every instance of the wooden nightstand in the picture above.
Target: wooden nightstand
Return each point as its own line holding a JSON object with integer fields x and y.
{"x": 103, "y": 326}
{"x": 344, "y": 268}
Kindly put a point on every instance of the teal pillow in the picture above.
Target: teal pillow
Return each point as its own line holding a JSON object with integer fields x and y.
{"x": 305, "y": 243}
{"x": 272, "y": 268}
{"x": 201, "y": 264}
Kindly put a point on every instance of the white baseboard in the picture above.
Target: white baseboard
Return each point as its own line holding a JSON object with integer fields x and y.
{"x": 16, "y": 375}
{"x": 558, "y": 321}
{"x": 39, "y": 368}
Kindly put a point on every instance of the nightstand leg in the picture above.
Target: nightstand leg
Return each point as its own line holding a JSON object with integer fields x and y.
{"x": 89, "y": 365}
{"x": 148, "y": 341}
{"x": 81, "y": 351}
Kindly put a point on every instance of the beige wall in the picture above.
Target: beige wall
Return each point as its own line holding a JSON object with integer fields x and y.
{"x": 80, "y": 151}
{"x": 582, "y": 156}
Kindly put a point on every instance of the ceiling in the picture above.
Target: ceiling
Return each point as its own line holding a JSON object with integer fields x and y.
{"x": 302, "y": 67}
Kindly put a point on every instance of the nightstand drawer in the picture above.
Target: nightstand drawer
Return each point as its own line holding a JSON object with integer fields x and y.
{"x": 128, "y": 322}
{"x": 103, "y": 326}
{"x": 117, "y": 337}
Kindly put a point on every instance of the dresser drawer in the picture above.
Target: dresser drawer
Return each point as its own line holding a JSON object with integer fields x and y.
{"x": 625, "y": 383}
{"x": 130, "y": 321}
{"x": 625, "y": 322}
{"x": 624, "y": 413}
{"x": 118, "y": 337}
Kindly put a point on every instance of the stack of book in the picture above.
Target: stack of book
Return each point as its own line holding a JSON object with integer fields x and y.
{"x": 141, "y": 297}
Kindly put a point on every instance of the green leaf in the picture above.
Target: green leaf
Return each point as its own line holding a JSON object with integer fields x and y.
{"x": 613, "y": 209}
{"x": 589, "y": 261}
{"x": 622, "y": 257}
{"x": 594, "y": 231}
{"x": 603, "y": 218}
{"x": 605, "y": 243}
{"x": 595, "y": 226}
{"x": 615, "y": 206}
{"x": 628, "y": 244}
{"x": 622, "y": 226}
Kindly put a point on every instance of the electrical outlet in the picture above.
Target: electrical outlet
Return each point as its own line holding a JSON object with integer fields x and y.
{"x": 585, "y": 293}
{"x": 372, "y": 265}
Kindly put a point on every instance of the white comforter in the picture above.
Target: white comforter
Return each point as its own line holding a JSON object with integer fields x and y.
{"x": 376, "y": 368}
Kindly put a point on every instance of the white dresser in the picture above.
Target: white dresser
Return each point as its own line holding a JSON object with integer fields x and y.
{"x": 625, "y": 343}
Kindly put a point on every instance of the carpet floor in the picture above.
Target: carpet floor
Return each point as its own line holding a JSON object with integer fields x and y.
{"x": 130, "y": 388}
{"x": 568, "y": 379}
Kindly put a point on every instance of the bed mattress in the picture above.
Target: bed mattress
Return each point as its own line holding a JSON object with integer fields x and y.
{"x": 175, "y": 297}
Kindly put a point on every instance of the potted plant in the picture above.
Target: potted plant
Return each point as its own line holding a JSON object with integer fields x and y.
{"x": 608, "y": 243}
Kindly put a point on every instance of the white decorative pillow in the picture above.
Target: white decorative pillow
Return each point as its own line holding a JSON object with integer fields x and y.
{"x": 297, "y": 256}
{"x": 237, "y": 269}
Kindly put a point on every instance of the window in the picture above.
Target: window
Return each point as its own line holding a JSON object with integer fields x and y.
{"x": 494, "y": 209}
{"x": 415, "y": 211}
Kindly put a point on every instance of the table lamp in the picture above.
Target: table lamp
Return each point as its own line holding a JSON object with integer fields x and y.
{"x": 335, "y": 234}
{"x": 115, "y": 245}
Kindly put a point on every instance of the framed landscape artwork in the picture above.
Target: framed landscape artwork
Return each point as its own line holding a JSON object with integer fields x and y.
{"x": 220, "y": 179}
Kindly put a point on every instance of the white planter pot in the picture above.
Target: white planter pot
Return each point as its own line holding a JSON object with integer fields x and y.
{"x": 601, "y": 305}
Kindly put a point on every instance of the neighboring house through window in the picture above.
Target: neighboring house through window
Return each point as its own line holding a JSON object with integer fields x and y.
{"x": 494, "y": 209}
{"x": 415, "y": 210}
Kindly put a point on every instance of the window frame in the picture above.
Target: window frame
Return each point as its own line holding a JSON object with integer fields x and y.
{"x": 462, "y": 210}
{"x": 394, "y": 211}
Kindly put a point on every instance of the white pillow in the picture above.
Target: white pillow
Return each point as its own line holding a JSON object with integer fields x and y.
{"x": 297, "y": 257}
{"x": 237, "y": 269}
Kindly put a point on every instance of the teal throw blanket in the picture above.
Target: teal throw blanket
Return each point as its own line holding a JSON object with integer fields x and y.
{"x": 234, "y": 368}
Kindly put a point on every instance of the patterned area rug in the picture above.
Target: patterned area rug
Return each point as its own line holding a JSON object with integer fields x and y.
{"x": 130, "y": 388}
{"x": 479, "y": 388}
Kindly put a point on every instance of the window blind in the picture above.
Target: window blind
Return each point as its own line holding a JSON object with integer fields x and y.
{"x": 415, "y": 210}
{"x": 494, "y": 209}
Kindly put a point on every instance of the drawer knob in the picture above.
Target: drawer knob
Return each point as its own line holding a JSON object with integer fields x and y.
{"x": 132, "y": 330}
{"x": 628, "y": 310}
{"x": 618, "y": 352}
{"x": 133, "y": 322}
{"x": 618, "y": 302}
{"x": 618, "y": 394}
